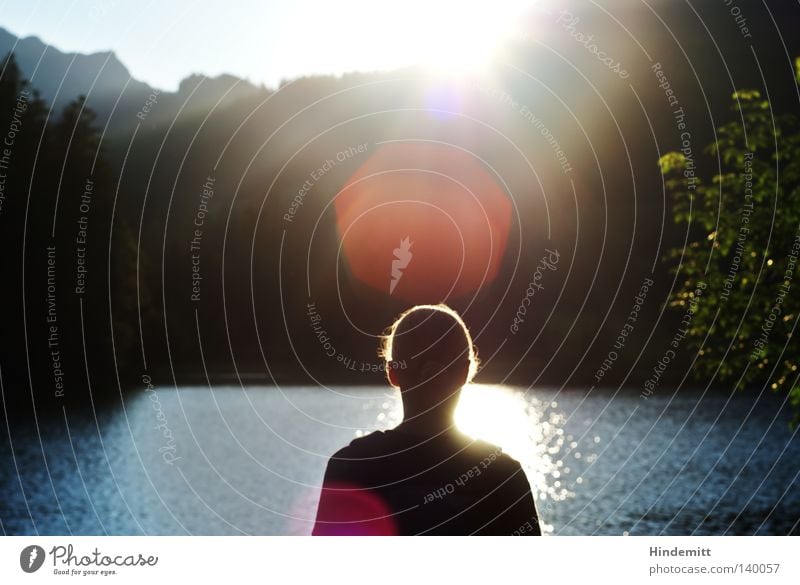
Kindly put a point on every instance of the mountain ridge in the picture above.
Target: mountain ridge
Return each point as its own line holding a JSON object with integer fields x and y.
{"x": 108, "y": 85}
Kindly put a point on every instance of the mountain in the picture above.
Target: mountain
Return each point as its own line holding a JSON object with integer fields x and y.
{"x": 60, "y": 77}
{"x": 552, "y": 96}
{"x": 110, "y": 89}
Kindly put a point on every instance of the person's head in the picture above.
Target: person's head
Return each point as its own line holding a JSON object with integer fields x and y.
{"x": 429, "y": 355}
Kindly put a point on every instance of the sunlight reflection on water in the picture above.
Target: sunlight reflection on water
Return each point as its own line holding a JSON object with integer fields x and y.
{"x": 658, "y": 472}
{"x": 527, "y": 428}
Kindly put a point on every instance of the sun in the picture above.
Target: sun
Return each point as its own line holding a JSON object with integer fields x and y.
{"x": 458, "y": 39}
{"x": 449, "y": 37}
{"x": 461, "y": 37}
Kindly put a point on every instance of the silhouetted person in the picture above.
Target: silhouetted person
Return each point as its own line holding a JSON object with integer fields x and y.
{"x": 424, "y": 476}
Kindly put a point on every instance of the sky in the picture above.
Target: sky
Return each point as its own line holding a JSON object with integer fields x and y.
{"x": 263, "y": 41}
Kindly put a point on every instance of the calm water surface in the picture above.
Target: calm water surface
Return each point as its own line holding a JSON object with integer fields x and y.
{"x": 234, "y": 461}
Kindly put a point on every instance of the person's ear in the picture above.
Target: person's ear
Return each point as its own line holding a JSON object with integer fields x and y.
{"x": 391, "y": 373}
{"x": 463, "y": 371}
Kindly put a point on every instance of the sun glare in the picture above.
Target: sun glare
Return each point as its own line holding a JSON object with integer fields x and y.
{"x": 460, "y": 38}
{"x": 497, "y": 415}
{"x": 450, "y": 36}
{"x": 527, "y": 429}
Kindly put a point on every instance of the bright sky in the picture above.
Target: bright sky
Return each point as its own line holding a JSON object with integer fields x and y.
{"x": 161, "y": 42}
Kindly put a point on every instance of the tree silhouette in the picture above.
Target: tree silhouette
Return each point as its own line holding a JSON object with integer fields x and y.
{"x": 58, "y": 194}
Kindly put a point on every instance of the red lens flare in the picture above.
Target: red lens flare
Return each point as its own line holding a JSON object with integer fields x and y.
{"x": 423, "y": 222}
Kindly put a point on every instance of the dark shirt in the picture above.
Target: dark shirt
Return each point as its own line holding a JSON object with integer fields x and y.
{"x": 395, "y": 482}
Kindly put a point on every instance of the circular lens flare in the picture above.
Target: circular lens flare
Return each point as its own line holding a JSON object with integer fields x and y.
{"x": 423, "y": 222}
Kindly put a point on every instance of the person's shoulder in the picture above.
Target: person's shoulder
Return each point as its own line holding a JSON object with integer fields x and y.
{"x": 360, "y": 447}
{"x": 493, "y": 455}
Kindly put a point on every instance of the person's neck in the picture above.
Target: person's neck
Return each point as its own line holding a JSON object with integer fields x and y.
{"x": 430, "y": 423}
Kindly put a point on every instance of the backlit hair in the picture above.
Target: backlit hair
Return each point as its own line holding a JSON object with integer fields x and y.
{"x": 426, "y": 333}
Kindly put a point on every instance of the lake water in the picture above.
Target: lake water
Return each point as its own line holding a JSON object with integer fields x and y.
{"x": 250, "y": 461}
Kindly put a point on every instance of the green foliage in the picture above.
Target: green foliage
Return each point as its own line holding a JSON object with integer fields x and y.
{"x": 743, "y": 227}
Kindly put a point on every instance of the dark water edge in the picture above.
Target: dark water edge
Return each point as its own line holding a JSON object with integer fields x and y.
{"x": 250, "y": 461}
